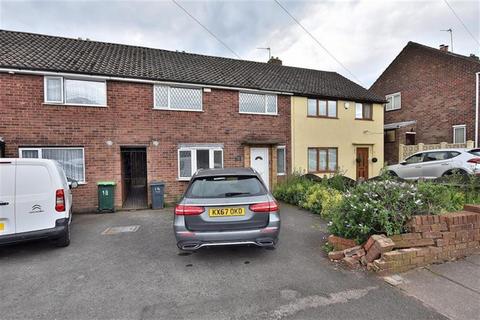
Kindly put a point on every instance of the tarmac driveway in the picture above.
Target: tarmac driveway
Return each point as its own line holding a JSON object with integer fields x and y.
{"x": 142, "y": 275}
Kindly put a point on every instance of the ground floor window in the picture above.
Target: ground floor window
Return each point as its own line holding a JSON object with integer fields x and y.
{"x": 322, "y": 159}
{"x": 193, "y": 158}
{"x": 390, "y": 135}
{"x": 459, "y": 134}
{"x": 71, "y": 159}
{"x": 281, "y": 161}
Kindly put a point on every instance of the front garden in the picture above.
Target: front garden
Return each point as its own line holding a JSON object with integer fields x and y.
{"x": 378, "y": 206}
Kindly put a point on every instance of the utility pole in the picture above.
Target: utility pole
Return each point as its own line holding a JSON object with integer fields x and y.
{"x": 451, "y": 37}
{"x": 269, "y": 51}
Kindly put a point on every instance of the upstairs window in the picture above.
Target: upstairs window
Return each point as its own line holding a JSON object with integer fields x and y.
{"x": 460, "y": 134}
{"x": 394, "y": 101}
{"x": 70, "y": 91}
{"x": 322, "y": 108}
{"x": 363, "y": 111}
{"x": 192, "y": 159}
{"x": 177, "y": 98}
{"x": 257, "y": 103}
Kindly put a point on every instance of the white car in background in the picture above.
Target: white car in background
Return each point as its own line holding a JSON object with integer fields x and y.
{"x": 438, "y": 163}
{"x": 35, "y": 201}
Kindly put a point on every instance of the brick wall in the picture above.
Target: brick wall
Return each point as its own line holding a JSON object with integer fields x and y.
{"x": 130, "y": 121}
{"x": 432, "y": 239}
{"x": 438, "y": 90}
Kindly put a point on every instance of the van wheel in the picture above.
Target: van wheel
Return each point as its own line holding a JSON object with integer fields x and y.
{"x": 64, "y": 240}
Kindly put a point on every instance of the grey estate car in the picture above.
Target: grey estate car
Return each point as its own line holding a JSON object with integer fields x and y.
{"x": 224, "y": 207}
{"x": 431, "y": 164}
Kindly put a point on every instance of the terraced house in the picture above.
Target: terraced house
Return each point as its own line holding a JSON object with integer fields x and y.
{"x": 134, "y": 115}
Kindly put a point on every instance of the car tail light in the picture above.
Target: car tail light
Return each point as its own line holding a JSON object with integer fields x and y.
{"x": 264, "y": 207}
{"x": 181, "y": 210}
{"x": 474, "y": 160}
{"x": 60, "y": 200}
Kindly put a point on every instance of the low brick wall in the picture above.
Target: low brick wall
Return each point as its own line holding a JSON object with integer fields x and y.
{"x": 431, "y": 239}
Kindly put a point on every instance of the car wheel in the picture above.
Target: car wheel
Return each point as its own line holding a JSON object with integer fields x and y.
{"x": 64, "y": 240}
{"x": 392, "y": 174}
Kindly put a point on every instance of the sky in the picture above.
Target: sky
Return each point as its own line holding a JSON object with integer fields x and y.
{"x": 365, "y": 36}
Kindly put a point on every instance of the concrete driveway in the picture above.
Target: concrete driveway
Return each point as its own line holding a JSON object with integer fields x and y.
{"x": 142, "y": 275}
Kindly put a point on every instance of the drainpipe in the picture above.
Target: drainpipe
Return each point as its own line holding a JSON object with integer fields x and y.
{"x": 477, "y": 88}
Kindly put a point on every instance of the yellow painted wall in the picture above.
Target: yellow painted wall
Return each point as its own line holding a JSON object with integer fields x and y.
{"x": 344, "y": 133}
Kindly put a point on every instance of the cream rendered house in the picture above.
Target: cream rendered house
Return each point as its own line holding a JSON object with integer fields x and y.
{"x": 337, "y": 135}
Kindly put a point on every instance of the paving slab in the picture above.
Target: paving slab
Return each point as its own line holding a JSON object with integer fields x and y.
{"x": 450, "y": 288}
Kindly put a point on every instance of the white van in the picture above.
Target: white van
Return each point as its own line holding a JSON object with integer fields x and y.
{"x": 35, "y": 201}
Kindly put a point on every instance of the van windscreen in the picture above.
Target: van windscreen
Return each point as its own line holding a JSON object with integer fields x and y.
{"x": 225, "y": 187}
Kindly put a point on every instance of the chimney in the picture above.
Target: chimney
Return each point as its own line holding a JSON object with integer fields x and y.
{"x": 444, "y": 47}
{"x": 474, "y": 57}
{"x": 274, "y": 60}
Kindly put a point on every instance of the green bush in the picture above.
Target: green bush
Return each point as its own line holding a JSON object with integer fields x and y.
{"x": 321, "y": 200}
{"x": 383, "y": 206}
{"x": 293, "y": 190}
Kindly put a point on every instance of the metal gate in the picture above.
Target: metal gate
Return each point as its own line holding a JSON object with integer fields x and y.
{"x": 134, "y": 177}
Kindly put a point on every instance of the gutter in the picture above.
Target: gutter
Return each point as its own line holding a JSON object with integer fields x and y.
{"x": 477, "y": 89}
{"x": 84, "y": 76}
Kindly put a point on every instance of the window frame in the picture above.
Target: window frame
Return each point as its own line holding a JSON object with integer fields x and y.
{"x": 169, "y": 87}
{"x": 318, "y": 115}
{"x": 284, "y": 160}
{"x": 393, "y": 95}
{"x": 363, "y": 111}
{"x": 394, "y": 135}
{"x": 63, "y": 91}
{"x": 458, "y": 126}
{"x": 39, "y": 150}
{"x": 193, "y": 159}
{"x": 265, "y": 103}
{"x": 318, "y": 159}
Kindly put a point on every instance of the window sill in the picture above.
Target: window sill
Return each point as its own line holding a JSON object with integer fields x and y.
{"x": 168, "y": 109}
{"x": 322, "y": 117}
{"x": 184, "y": 179}
{"x": 393, "y": 109}
{"x": 74, "y": 105}
{"x": 361, "y": 119}
{"x": 259, "y": 114}
{"x": 315, "y": 172}
{"x": 281, "y": 174}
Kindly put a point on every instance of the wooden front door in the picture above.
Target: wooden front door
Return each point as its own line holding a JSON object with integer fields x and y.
{"x": 362, "y": 163}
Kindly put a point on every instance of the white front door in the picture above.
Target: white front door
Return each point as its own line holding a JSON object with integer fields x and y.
{"x": 259, "y": 162}
{"x": 7, "y": 197}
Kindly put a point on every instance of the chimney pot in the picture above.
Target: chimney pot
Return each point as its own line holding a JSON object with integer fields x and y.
{"x": 444, "y": 47}
{"x": 275, "y": 60}
{"x": 473, "y": 56}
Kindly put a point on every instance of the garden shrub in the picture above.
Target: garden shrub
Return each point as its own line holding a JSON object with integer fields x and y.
{"x": 321, "y": 199}
{"x": 293, "y": 190}
{"x": 375, "y": 207}
{"x": 439, "y": 198}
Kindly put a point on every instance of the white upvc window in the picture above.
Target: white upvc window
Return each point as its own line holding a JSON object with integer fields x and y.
{"x": 460, "y": 133}
{"x": 192, "y": 159}
{"x": 257, "y": 103}
{"x": 71, "y": 159}
{"x": 281, "y": 161}
{"x": 394, "y": 101}
{"x": 177, "y": 98}
{"x": 75, "y": 91}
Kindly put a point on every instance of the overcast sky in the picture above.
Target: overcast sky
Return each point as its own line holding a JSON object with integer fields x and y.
{"x": 364, "y": 35}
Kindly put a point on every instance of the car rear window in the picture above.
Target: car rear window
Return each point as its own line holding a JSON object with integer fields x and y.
{"x": 225, "y": 187}
{"x": 475, "y": 152}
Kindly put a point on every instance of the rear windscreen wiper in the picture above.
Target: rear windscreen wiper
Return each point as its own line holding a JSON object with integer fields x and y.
{"x": 233, "y": 194}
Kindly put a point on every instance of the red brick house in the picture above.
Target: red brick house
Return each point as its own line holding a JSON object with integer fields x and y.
{"x": 134, "y": 115}
{"x": 431, "y": 97}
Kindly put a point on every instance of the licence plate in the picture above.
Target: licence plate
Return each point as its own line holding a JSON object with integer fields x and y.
{"x": 226, "y": 212}
{"x": 2, "y": 227}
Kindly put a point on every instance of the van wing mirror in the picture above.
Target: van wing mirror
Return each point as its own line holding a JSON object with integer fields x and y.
{"x": 73, "y": 184}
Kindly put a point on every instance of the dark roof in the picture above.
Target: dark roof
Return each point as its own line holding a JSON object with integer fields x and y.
{"x": 29, "y": 51}
{"x": 225, "y": 172}
{"x": 474, "y": 62}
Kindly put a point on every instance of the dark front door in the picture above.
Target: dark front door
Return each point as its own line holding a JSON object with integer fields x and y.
{"x": 362, "y": 163}
{"x": 134, "y": 177}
